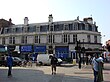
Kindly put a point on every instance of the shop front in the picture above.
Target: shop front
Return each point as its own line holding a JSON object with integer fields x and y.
{"x": 62, "y": 52}
{"x": 25, "y": 51}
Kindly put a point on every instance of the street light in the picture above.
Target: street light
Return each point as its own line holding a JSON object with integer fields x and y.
{"x": 50, "y": 20}
{"x": 78, "y": 51}
{"x": 83, "y": 50}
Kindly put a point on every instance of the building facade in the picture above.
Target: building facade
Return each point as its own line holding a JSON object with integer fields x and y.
{"x": 52, "y": 37}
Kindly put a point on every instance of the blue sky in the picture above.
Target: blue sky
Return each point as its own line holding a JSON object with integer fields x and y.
{"x": 38, "y": 11}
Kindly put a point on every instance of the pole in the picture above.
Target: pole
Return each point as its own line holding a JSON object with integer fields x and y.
{"x": 51, "y": 49}
{"x": 79, "y": 51}
{"x": 83, "y": 53}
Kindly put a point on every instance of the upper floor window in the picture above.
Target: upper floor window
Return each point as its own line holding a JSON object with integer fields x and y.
{"x": 95, "y": 39}
{"x": 74, "y": 38}
{"x": 79, "y": 26}
{"x": 18, "y": 30}
{"x": 68, "y": 38}
{"x": 36, "y": 39}
{"x": 70, "y": 26}
{"x": 24, "y": 39}
{"x": 66, "y": 27}
{"x": 90, "y": 27}
{"x": 83, "y": 26}
{"x": 3, "y": 40}
{"x": 75, "y": 26}
{"x": 50, "y": 38}
{"x": 10, "y": 40}
{"x": 32, "y": 29}
{"x": 44, "y": 28}
{"x": 65, "y": 38}
{"x": 89, "y": 38}
{"x": 7, "y": 30}
{"x": 58, "y": 27}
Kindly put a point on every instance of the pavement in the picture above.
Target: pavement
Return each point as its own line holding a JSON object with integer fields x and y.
{"x": 65, "y": 73}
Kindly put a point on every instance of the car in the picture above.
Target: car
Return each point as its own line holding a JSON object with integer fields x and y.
{"x": 16, "y": 61}
{"x": 43, "y": 59}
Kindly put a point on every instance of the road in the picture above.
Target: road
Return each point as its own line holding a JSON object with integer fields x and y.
{"x": 36, "y": 75}
{"x": 43, "y": 74}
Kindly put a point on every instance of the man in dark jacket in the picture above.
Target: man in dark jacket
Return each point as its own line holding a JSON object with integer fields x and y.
{"x": 9, "y": 64}
{"x": 53, "y": 64}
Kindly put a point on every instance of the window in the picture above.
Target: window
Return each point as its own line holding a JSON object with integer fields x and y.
{"x": 75, "y": 26}
{"x": 32, "y": 29}
{"x": 90, "y": 27}
{"x": 89, "y": 38}
{"x": 74, "y": 38}
{"x": 95, "y": 39}
{"x": 66, "y": 27}
{"x": 68, "y": 38}
{"x": 79, "y": 26}
{"x": 50, "y": 38}
{"x": 10, "y": 40}
{"x": 36, "y": 39}
{"x": 13, "y": 40}
{"x": 7, "y": 30}
{"x": 44, "y": 28}
{"x": 3, "y": 40}
{"x": 70, "y": 26}
{"x": 18, "y": 30}
{"x": 24, "y": 39}
{"x": 58, "y": 27}
{"x": 65, "y": 38}
{"x": 53, "y": 38}
{"x": 83, "y": 26}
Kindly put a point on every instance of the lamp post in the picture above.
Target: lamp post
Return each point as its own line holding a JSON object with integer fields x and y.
{"x": 50, "y": 20}
{"x": 83, "y": 50}
{"x": 51, "y": 47}
{"x": 78, "y": 50}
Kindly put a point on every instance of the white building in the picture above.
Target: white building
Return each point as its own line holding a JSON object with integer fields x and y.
{"x": 53, "y": 37}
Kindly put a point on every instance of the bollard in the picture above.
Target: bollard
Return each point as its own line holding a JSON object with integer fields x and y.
{"x": 74, "y": 61}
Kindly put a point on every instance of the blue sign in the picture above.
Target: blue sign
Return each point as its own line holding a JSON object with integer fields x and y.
{"x": 40, "y": 49}
{"x": 62, "y": 52}
{"x": 26, "y": 48}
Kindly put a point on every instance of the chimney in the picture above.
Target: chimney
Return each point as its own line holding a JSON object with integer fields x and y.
{"x": 77, "y": 17}
{"x": 50, "y": 18}
{"x": 26, "y": 21}
{"x": 10, "y": 22}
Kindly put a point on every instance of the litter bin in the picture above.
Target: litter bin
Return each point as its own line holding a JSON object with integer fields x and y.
{"x": 74, "y": 61}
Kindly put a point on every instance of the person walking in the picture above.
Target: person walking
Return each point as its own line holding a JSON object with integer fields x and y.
{"x": 95, "y": 67}
{"x": 100, "y": 69}
{"x": 53, "y": 63}
{"x": 9, "y": 64}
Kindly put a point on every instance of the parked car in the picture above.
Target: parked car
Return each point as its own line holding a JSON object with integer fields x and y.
{"x": 16, "y": 61}
{"x": 43, "y": 59}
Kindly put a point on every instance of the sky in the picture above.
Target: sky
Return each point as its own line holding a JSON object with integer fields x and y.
{"x": 62, "y": 10}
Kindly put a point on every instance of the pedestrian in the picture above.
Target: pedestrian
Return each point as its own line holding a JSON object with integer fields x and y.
{"x": 95, "y": 67}
{"x": 53, "y": 63}
{"x": 9, "y": 64}
{"x": 100, "y": 69}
